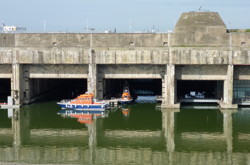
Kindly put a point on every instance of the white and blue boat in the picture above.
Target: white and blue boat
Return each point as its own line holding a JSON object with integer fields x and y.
{"x": 84, "y": 102}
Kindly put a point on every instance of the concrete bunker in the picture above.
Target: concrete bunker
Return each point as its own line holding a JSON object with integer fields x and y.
{"x": 138, "y": 87}
{"x": 56, "y": 89}
{"x": 199, "y": 91}
{"x": 5, "y": 89}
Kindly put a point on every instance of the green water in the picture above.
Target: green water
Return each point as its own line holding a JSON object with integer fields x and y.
{"x": 136, "y": 134}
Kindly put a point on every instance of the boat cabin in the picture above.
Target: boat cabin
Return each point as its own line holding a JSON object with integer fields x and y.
{"x": 86, "y": 98}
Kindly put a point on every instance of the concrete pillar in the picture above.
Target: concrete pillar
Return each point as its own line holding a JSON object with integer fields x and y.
{"x": 92, "y": 79}
{"x": 169, "y": 88}
{"x": 92, "y": 75}
{"x": 227, "y": 102}
{"x": 16, "y": 80}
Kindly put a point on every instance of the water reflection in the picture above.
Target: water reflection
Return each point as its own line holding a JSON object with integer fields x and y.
{"x": 125, "y": 111}
{"x": 83, "y": 117}
{"x": 148, "y": 137}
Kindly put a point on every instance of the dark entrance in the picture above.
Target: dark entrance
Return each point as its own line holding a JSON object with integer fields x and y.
{"x": 56, "y": 89}
{"x": 138, "y": 87}
{"x": 5, "y": 89}
{"x": 199, "y": 89}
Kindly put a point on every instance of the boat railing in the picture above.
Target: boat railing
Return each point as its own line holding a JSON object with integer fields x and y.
{"x": 64, "y": 100}
{"x": 70, "y": 100}
{"x": 245, "y": 99}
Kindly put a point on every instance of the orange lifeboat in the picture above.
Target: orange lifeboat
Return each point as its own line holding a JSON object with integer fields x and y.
{"x": 126, "y": 97}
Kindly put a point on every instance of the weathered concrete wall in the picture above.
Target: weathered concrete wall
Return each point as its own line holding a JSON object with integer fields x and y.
{"x": 184, "y": 35}
{"x": 5, "y": 71}
{"x": 132, "y": 71}
{"x": 240, "y": 39}
{"x": 159, "y": 56}
{"x": 201, "y": 72}
{"x": 200, "y": 28}
{"x": 201, "y": 56}
{"x": 7, "y": 40}
{"x": 83, "y": 40}
{"x": 57, "y": 71}
{"x": 241, "y": 57}
{"x": 6, "y": 56}
{"x": 52, "y": 56}
{"x": 43, "y": 56}
{"x": 179, "y": 56}
{"x": 242, "y": 72}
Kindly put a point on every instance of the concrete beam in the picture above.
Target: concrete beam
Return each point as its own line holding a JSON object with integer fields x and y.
{"x": 201, "y": 72}
{"x": 6, "y": 71}
{"x": 58, "y": 71}
{"x": 146, "y": 55}
{"x": 132, "y": 71}
{"x": 242, "y": 72}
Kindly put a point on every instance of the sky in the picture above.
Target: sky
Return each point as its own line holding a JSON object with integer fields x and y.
{"x": 122, "y": 15}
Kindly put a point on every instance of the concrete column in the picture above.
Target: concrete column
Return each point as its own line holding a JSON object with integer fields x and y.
{"x": 227, "y": 102}
{"x": 92, "y": 79}
{"x": 169, "y": 93}
{"x": 16, "y": 80}
{"x": 92, "y": 75}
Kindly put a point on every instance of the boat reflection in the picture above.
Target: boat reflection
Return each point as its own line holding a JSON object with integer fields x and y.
{"x": 126, "y": 111}
{"x": 83, "y": 117}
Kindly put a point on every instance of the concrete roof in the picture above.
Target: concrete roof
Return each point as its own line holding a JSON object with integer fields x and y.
{"x": 199, "y": 19}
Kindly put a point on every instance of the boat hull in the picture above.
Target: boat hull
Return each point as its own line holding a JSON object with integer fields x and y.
{"x": 87, "y": 107}
{"x": 125, "y": 101}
